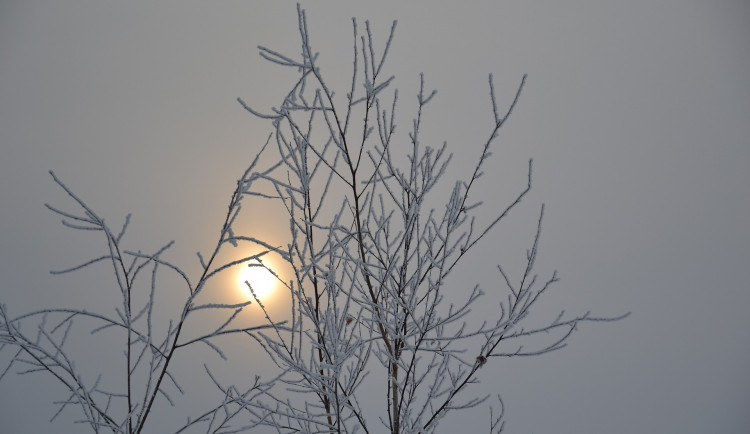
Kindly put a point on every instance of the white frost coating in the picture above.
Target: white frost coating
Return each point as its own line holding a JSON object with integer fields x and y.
{"x": 372, "y": 239}
{"x": 370, "y": 261}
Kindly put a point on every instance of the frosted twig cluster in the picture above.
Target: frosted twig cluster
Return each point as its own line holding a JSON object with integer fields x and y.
{"x": 379, "y": 336}
{"x": 370, "y": 257}
{"x": 148, "y": 339}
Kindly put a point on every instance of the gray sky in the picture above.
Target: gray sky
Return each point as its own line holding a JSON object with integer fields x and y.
{"x": 636, "y": 114}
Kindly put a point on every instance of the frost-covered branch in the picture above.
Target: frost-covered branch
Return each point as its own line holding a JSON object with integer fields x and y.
{"x": 371, "y": 256}
{"x": 375, "y": 231}
{"x": 149, "y": 339}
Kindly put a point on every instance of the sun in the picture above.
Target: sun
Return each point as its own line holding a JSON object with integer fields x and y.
{"x": 262, "y": 281}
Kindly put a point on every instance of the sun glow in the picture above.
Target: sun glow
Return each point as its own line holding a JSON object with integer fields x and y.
{"x": 261, "y": 280}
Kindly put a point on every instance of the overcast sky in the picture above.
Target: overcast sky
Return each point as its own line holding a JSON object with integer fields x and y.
{"x": 636, "y": 113}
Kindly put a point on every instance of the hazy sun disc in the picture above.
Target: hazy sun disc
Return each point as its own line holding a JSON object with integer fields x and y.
{"x": 262, "y": 281}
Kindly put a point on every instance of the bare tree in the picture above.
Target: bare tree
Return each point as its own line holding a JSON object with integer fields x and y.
{"x": 371, "y": 257}
{"x": 373, "y": 238}
{"x": 151, "y": 340}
